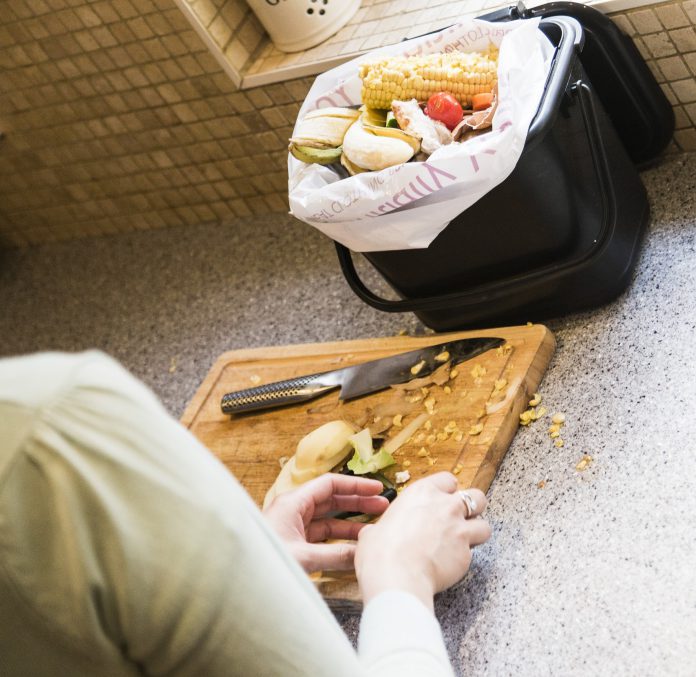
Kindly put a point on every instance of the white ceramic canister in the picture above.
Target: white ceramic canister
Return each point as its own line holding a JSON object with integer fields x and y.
{"x": 295, "y": 25}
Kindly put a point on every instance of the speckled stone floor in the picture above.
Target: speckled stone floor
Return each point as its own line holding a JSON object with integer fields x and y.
{"x": 592, "y": 574}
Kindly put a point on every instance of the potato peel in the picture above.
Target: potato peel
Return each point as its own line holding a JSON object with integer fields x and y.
{"x": 439, "y": 377}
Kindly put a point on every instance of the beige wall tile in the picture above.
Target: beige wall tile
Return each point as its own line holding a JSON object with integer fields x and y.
{"x": 690, "y": 111}
{"x": 689, "y": 8}
{"x": 236, "y": 54}
{"x": 681, "y": 119}
{"x": 673, "y": 68}
{"x": 220, "y": 31}
{"x": 234, "y": 12}
{"x": 645, "y": 21}
{"x": 684, "y": 39}
{"x": 671, "y": 97}
{"x": 273, "y": 117}
{"x": 685, "y": 90}
{"x": 659, "y": 44}
{"x": 250, "y": 33}
{"x": 624, "y": 23}
{"x": 205, "y": 10}
{"x": 140, "y": 28}
{"x": 259, "y": 98}
{"x": 239, "y": 207}
{"x": 671, "y": 15}
{"x": 690, "y": 60}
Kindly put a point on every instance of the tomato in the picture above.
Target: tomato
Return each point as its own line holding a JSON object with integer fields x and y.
{"x": 445, "y": 108}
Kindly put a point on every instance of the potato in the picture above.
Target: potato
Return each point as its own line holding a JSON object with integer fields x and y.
{"x": 323, "y": 448}
{"x": 317, "y": 453}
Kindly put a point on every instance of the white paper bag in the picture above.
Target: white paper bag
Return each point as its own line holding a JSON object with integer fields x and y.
{"x": 406, "y": 206}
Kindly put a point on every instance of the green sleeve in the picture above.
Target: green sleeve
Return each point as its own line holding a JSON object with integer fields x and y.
{"x": 127, "y": 548}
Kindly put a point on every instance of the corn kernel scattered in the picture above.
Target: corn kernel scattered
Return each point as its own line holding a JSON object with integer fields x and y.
{"x": 422, "y": 452}
{"x": 535, "y": 401}
{"x": 430, "y": 404}
{"x": 584, "y": 463}
{"x": 559, "y": 443}
{"x": 457, "y": 469}
{"x": 442, "y": 357}
{"x": 406, "y": 463}
{"x": 526, "y": 417}
{"x": 478, "y": 371}
{"x": 558, "y": 419}
{"x": 454, "y": 373}
{"x": 476, "y": 429}
{"x": 448, "y": 390}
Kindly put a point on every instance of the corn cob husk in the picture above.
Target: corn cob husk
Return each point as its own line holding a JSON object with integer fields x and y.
{"x": 462, "y": 74}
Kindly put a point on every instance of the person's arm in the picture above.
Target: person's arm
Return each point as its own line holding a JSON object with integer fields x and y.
{"x": 123, "y": 538}
{"x": 126, "y": 540}
{"x": 420, "y": 546}
{"x": 398, "y": 633}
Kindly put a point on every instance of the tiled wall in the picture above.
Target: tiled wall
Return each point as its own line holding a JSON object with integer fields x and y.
{"x": 116, "y": 116}
{"x": 666, "y": 37}
{"x": 233, "y": 27}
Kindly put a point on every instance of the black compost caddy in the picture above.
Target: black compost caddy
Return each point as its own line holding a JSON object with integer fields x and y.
{"x": 566, "y": 225}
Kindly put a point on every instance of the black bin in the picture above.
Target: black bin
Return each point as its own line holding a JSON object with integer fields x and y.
{"x": 561, "y": 233}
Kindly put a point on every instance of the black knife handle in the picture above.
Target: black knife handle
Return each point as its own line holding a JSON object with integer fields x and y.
{"x": 276, "y": 394}
{"x": 389, "y": 493}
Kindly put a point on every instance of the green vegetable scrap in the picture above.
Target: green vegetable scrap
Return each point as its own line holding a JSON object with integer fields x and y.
{"x": 379, "y": 460}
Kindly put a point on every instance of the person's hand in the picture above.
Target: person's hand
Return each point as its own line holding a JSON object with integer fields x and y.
{"x": 300, "y": 518}
{"x": 422, "y": 543}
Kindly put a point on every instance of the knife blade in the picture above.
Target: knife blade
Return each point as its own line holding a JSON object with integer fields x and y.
{"x": 359, "y": 379}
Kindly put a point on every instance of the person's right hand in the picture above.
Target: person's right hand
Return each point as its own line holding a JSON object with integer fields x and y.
{"x": 422, "y": 543}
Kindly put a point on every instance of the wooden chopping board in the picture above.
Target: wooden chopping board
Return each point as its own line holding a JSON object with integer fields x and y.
{"x": 488, "y": 393}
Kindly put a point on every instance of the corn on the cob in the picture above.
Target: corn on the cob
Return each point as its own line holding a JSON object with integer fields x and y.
{"x": 462, "y": 74}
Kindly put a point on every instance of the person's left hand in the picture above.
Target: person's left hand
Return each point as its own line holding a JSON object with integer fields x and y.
{"x": 299, "y": 517}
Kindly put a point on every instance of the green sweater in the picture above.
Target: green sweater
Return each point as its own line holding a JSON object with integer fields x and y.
{"x": 126, "y": 548}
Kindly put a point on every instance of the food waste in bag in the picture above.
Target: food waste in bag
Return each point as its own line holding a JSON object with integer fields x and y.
{"x": 412, "y": 106}
{"x": 388, "y": 148}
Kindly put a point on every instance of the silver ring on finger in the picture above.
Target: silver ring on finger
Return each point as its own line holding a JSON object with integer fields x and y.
{"x": 469, "y": 502}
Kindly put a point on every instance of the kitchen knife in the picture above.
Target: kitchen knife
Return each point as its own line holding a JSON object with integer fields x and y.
{"x": 360, "y": 379}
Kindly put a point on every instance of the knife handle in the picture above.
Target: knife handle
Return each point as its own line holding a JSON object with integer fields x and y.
{"x": 275, "y": 394}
